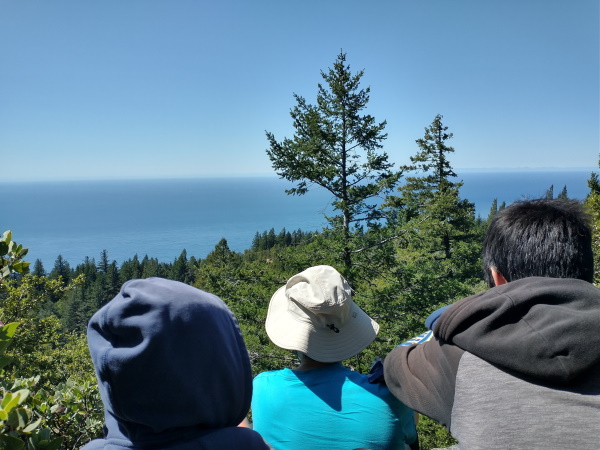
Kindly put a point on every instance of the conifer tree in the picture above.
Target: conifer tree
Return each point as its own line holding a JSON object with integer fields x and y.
{"x": 431, "y": 195}
{"x": 179, "y": 269}
{"x": 336, "y": 146}
{"x": 563, "y": 194}
{"x": 38, "y": 269}
{"x": 493, "y": 210}
{"x": 438, "y": 248}
{"x": 103, "y": 264}
{"x": 61, "y": 268}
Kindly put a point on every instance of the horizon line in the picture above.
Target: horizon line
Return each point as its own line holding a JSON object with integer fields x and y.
{"x": 274, "y": 175}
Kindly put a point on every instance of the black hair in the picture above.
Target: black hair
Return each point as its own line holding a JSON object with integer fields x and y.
{"x": 544, "y": 237}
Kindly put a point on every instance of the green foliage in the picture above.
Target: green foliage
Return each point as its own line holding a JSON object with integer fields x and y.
{"x": 71, "y": 410}
{"x": 65, "y": 413}
{"x": 18, "y": 423}
{"x": 592, "y": 204}
{"x": 336, "y": 148}
{"x": 284, "y": 238}
{"x": 433, "y": 245}
{"x": 11, "y": 255}
{"x": 70, "y": 413}
{"x": 433, "y": 435}
{"x": 37, "y": 349}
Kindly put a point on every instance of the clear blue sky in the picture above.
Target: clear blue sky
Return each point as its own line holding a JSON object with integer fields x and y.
{"x": 146, "y": 89}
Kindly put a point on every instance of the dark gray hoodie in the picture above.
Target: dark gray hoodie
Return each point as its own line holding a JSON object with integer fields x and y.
{"x": 173, "y": 370}
{"x": 517, "y": 366}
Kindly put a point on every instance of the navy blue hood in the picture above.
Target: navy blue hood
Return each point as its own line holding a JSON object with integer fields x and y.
{"x": 172, "y": 367}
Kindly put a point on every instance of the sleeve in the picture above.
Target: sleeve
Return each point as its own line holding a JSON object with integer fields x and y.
{"x": 423, "y": 377}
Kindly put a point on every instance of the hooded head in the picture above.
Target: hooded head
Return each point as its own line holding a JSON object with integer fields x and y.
{"x": 170, "y": 360}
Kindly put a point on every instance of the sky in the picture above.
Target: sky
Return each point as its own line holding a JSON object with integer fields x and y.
{"x": 187, "y": 88}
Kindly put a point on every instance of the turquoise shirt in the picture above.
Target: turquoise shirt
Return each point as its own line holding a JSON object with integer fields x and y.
{"x": 328, "y": 408}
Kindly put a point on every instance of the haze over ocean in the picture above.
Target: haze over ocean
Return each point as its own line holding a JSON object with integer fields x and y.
{"x": 160, "y": 218}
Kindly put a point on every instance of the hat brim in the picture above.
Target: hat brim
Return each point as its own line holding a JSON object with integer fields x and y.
{"x": 320, "y": 343}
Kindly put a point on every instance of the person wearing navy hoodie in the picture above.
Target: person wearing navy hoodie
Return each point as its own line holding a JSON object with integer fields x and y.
{"x": 173, "y": 370}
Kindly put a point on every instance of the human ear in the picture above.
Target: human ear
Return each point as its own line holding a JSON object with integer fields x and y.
{"x": 497, "y": 277}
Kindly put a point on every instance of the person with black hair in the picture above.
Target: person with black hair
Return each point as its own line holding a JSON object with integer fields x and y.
{"x": 517, "y": 366}
{"x": 539, "y": 238}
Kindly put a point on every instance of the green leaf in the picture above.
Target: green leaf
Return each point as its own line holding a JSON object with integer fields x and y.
{"x": 11, "y": 443}
{"x": 32, "y": 426}
{"x": 8, "y": 397}
{"x": 54, "y": 444}
{"x": 22, "y": 395}
{"x": 3, "y": 248}
{"x": 18, "y": 418}
{"x": 41, "y": 440}
{"x": 3, "y": 344}
{"x": 41, "y": 435}
{"x": 12, "y": 400}
{"x": 21, "y": 266}
{"x": 8, "y": 330}
{"x": 4, "y": 360}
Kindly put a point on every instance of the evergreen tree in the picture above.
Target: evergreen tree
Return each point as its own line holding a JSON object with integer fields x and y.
{"x": 61, "y": 268}
{"x": 179, "y": 269}
{"x": 218, "y": 273}
{"x": 438, "y": 240}
{"x": 152, "y": 269}
{"x": 563, "y": 194}
{"x": 88, "y": 269}
{"x": 256, "y": 242}
{"x": 38, "y": 269}
{"x": 271, "y": 238}
{"x": 336, "y": 147}
{"x": 103, "y": 264}
{"x": 113, "y": 284}
{"x": 493, "y": 211}
{"x": 130, "y": 269}
{"x": 550, "y": 192}
{"x": 431, "y": 197}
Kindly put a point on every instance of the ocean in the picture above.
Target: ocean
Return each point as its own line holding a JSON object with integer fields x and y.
{"x": 160, "y": 218}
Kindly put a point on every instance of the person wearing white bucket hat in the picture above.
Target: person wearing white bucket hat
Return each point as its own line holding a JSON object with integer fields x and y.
{"x": 321, "y": 404}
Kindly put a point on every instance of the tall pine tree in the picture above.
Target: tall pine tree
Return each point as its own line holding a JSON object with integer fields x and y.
{"x": 439, "y": 240}
{"x": 336, "y": 146}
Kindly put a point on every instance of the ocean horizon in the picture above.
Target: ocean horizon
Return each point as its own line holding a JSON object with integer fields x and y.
{"x": 162, "y": 217}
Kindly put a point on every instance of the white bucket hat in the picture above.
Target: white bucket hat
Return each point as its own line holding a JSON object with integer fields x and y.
{"x": 314, "y": 314}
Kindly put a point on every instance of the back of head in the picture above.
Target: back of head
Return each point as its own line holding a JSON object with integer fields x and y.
{"x": 544, "y": 238}
{"x": 169, "y": 356}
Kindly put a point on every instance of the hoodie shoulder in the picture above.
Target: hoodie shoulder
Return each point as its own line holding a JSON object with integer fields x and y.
{"x": 544, "y": 328}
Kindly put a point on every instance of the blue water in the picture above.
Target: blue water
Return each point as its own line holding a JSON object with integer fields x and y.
{"x": 160, "y": 218}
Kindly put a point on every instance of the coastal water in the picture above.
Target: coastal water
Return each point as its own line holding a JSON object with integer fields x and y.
{"x": 160, "y": 218}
